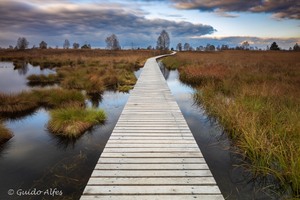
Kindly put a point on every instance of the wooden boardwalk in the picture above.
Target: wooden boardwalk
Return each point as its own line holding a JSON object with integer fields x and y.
{"x": 151, "y": 153}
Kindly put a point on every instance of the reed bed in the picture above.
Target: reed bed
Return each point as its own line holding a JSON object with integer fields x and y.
{"x": 73, "y": 121}
{"x": 255, "y": 96}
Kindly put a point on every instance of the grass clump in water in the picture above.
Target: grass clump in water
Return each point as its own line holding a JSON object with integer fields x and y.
{"x": 5, "y": 134}
{"x": 16, "y": 104}
{"x": 73, "y": 121}
{"x": 55, "y": 98}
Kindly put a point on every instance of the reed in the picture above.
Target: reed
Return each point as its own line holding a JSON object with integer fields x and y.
{"x": 255, "y": 96}
{"x": 72, "y": 122}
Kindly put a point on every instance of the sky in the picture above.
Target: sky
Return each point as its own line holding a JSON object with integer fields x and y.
{"x": 138, "y": 23}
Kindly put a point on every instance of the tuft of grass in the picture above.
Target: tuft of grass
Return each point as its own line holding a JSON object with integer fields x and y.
{"x": 72, "y": 122}
{"x": 256, "y": 98}
{"x": 55, "y": 98}
{"x": 5, "y": 134}
{"x": 16, "y": 104}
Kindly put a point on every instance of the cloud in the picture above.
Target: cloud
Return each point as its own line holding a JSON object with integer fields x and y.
{"x": 279, "y": 8}
{"x": 234, "y": 41}
{"x": 87, "y": 21}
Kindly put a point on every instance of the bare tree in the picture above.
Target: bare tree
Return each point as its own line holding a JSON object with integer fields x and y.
{"x": 43, "y": 45}
{"x": 245, "y": 45}
{"x": 163, "y": 41}
{"x": 22, "y": 43}
{"x": 112, "y": 42}
{"x": 186, "y": 46}
{"x": 66, "y": 44}
{"x": 179, "y": 47}
{"x": 75, "y": 45}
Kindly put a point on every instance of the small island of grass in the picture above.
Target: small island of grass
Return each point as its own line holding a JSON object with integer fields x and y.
{"x": 72, "y": 122}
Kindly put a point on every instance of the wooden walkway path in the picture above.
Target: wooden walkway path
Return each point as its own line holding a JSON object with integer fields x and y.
{"x": 151, "y": 153}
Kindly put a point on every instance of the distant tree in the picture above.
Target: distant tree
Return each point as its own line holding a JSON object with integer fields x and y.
{"x": 179, "y": 47}
{"x": 22, "y": 43}
{"x": 75, "y": 45}
{"x": 66, "y": 44}
{"x": 245, "y": 45}
{"x": 296, "y": 47}
{"x": 210, "y": 47}
{"x": 43, "y": 45}
{"x": 163, "y": 41}
{"x": 149, "y": 47}
{"x": 86, "y": 46}
{"x": 224, "y": 47}
{"x": 186, "y": 46}
{"x": 10, "y": 47}
{"x": 274, "y": 46}
{"x": 112, "y": 42}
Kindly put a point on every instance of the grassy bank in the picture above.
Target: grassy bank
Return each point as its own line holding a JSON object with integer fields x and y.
{"x": 256, "y": 98}
{"x": 74, "y": 121}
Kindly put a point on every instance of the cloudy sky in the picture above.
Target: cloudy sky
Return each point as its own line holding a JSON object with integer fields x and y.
{"x": 138, "y": 23}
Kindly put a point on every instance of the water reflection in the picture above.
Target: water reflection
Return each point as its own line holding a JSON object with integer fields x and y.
{"x": 13, "y": 76}
{"x": 34, "y": 158}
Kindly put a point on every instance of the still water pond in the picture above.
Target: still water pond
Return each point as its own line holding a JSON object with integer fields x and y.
{"x": 36, "y": 160}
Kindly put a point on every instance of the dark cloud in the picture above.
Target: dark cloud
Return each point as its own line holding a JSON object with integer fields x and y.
{"x": 280, "y": 8}
{"x": 89, "y": 20}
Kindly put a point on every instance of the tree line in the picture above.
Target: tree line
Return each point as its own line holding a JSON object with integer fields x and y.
{"x": 163, "y": 43}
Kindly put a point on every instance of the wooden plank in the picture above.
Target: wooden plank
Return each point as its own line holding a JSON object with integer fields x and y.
{"x": 153, "y": 155}
{"x": 153, "y": 181}
{"x": 108, "y": 190}
{"x": 137, "y": 145}
{"x": 121, "y": 166}
{"x": 151, "y": 160}
{"x": 149, "y": 150}
{"x": 150, "y": 173}
{"x": 153, "y": 197}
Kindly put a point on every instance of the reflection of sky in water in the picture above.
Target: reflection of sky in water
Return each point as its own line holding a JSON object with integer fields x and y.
{"x": 12, "y": 81}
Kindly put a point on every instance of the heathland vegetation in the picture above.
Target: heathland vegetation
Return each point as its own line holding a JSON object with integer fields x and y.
{"x": 80, "y": 74}
{"x": 255, "y": 97}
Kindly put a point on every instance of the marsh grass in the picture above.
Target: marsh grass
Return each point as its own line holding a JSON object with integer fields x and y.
{"x": 73, "y": 121}
{"x": 21, "y": 104}
{"x": 5, "y": 134}
{"x": 12, "y": 105}
{"x": 56, "y": 98}
{"x": 255, "y": 96}
{"x": 90, "y": 70}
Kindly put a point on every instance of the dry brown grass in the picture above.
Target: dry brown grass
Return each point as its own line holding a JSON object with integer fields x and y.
{"x": 256, "y": 98}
